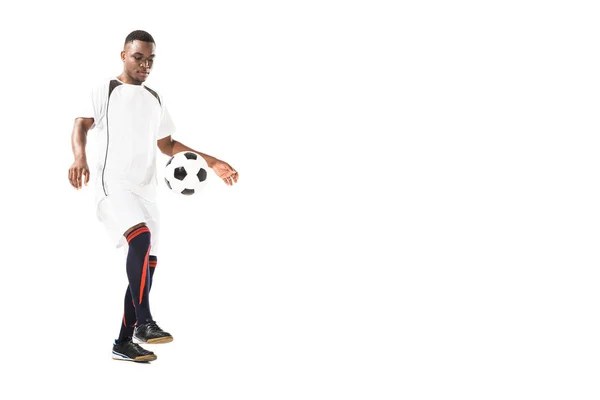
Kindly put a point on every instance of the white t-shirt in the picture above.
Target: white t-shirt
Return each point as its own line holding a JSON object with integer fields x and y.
{"x": 128, "y": 120}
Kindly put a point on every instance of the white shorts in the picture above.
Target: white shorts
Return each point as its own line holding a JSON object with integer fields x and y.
{"x": 120, "y": 211}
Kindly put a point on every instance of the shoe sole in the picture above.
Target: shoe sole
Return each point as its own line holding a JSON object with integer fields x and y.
{"x": 123, "y": 357}
{"x": 166, "y": 339}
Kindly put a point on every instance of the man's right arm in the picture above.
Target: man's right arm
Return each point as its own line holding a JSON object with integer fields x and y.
{"x": 80, "y": 168}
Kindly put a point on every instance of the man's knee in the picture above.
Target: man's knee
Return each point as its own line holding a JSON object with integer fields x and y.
{"x": 140, "y": 233}
{"x": 133, "y": 228}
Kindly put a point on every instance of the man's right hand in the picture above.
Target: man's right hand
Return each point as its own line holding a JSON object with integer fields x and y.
{"x": 78, "y": 171}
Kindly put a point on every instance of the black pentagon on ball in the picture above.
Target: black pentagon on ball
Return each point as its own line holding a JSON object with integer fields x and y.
{"x": 169, "y": 162}
{"x": 191, "y": 156}
{"x": 179, "y": 173}
{"x": 187, "y": 192}
{"x": 201, "y": 175}
{"x": 168, "y": 184}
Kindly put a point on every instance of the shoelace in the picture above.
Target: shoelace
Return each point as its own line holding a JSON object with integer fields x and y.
{"x": 153, "y": 326}
{"x": 139, "y": 348}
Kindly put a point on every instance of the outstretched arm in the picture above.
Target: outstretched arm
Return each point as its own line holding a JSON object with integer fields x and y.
{"x": 79, "y": 169}
{"x": 223, "y": 170}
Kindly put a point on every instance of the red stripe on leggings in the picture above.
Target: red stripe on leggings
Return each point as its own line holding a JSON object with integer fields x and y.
{"x": 137, "y": 232}
{"x": 144, "y": 270}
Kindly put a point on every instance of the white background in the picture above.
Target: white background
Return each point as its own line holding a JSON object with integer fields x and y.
{"x": 416, "y": 218}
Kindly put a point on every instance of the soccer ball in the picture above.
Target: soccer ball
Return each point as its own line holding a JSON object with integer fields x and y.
{"x": 186, "y": 173}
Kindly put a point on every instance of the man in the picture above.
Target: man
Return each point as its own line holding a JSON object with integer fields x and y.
{"x": 131, "y": 120}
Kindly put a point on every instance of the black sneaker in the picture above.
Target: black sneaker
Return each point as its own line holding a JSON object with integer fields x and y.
{"x": 151, "y": 333}
{"x": 129, "y": 351}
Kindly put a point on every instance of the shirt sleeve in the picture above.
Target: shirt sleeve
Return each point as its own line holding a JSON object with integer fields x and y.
{"x": 94, "y": 106}
{"x": 167, "y": 127}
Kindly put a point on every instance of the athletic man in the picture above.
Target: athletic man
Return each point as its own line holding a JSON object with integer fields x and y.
{"x": 131, "y": 121}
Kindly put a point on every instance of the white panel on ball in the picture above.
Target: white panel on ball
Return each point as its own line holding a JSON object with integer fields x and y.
{"x": 186, "y": 173}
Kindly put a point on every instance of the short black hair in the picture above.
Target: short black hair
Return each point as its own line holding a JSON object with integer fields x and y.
{"x": 139, "y": 35}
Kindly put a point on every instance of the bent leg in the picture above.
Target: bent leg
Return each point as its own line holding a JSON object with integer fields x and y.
{"x": 138, "y": 266}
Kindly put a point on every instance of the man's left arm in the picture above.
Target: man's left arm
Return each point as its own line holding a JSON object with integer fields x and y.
{"x": 170, "y": 147}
